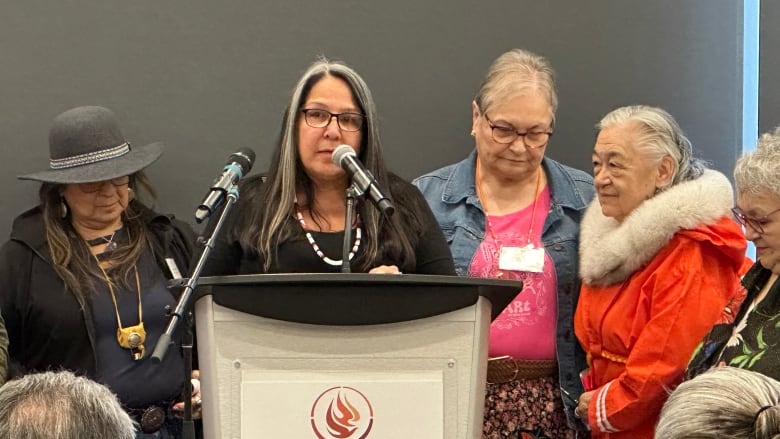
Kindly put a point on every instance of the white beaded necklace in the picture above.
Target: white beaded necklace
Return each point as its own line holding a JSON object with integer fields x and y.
{"x": 310, "y": 238}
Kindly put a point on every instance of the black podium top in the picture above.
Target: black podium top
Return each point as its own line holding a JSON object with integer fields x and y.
{"x": 354, "y": 299}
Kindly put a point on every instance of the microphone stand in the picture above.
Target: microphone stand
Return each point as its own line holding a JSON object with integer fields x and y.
{"x": 353, "y": 193}
{"x": 181, "y": 310}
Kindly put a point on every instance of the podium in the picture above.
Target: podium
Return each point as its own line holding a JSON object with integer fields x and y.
{"x": 345, "y": 356}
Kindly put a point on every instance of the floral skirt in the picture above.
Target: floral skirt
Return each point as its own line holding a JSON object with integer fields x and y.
{"x": 525, "y": 409}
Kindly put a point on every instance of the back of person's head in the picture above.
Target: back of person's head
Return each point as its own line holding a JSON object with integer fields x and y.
{"x": 759, "y": 170}
{"x": 61, "y": 405}
{"x": 725, "y": 402}
{"x": 659, "y": 135}
{"x": 516, "y": 73}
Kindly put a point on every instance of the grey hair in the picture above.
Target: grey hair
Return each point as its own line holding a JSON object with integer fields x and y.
{"x": 659, "y": 136}
{"x": 514, "y": 73}
{"x": 287, "y": 174}
{"x": 723, "y": 402}
{"x": 61, "y": 405}
{"x": 759, "y": 170}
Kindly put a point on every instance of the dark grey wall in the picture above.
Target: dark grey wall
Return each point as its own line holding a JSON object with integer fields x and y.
{"x": 208, "y": 77}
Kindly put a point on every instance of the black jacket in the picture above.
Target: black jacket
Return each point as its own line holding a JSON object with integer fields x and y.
{"x": 48, "y": 326}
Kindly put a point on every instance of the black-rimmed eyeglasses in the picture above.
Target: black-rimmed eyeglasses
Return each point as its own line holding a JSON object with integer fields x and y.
{"x": 506, "y": 135}
{"x": 755, "y": 223}
{"x": 95, "y": 186}
{"x": 317, "y": 118}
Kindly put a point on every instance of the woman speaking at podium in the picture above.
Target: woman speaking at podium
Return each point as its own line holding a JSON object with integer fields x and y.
{"x": 292, "y": 220}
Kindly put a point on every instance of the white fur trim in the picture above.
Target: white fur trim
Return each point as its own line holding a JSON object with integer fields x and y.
{"x": 611, "y": 251}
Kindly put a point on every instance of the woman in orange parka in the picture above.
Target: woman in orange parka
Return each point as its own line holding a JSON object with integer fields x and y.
{"x": 660, "y": 258}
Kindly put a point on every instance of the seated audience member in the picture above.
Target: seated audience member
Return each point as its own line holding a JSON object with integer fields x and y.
{"x": 293, "y": 219}
{"x": 61, "y": 405}
{"x": 660, "y": 257}
{"x": 509, "y": 212}
{"x": 725, "y": 402}
{"x": 752, "y": 340}
{"x": 83, "y": 278}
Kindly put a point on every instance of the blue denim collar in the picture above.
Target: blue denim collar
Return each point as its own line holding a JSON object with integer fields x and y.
{"x": 461, "y": 184}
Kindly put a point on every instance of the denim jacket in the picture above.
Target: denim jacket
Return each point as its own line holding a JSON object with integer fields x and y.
{"x": 451, "y": 193}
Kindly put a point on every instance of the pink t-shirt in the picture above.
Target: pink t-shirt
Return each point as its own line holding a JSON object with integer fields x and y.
{"x": 526, "y": 328}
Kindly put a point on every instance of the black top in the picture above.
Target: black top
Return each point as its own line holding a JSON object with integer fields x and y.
{"x": 751, "y": 343}
{"x": 49, "y": 327}
{"x": 296, "y": 255}
{"x": 137, "y": 383}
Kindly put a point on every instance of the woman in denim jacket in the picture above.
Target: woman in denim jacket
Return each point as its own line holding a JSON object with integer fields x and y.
{"x": 508, "y": 212}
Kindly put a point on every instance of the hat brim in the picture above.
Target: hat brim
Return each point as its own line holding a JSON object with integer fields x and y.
{"x": 135, "y": 160}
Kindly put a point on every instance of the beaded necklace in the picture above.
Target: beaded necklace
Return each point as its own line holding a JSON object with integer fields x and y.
{"x": 313, "y": 243}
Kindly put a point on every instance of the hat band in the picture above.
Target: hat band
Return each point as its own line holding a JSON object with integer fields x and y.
{"x": 90, "y": 157}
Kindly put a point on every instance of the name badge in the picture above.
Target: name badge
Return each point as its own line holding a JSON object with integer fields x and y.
{"x": 528, "y": 258}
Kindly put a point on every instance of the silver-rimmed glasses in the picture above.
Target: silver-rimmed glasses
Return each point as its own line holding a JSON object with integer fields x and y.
{"x": 755, "y": 223}
{"x": 95, "y": 186}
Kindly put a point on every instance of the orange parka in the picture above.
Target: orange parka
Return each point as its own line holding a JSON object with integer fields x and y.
{"x": 653, "y": 286}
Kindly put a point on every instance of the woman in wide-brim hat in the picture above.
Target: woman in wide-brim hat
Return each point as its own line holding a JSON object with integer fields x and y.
{"x": 83, "y": 278}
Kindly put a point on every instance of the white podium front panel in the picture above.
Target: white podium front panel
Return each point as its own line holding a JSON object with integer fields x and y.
{"x": 261, "y": 377}
{"x": 338, "y": 404}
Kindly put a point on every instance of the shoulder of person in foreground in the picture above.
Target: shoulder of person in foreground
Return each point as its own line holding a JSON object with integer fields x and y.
{"x": 723, "y": 402}
{"x": 27, "y": 405}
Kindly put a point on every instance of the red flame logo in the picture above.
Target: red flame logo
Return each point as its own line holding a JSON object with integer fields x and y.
{"x": 336, "y": 414}
{"x": 341, "y": 417}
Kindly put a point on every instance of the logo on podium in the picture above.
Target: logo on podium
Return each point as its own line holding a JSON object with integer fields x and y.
{"x": 342, "y": 413}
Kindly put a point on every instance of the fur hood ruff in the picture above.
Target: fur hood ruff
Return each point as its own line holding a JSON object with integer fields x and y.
{"x": 611, "y": 251}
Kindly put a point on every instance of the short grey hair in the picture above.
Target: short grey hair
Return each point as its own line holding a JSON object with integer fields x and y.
{"x": 61, "y": 405}
{"x": 659, "y": 135}
{"x": 514, "y": 73}
{"x": 759, "y": 170}
{"x": 723, "y": 402}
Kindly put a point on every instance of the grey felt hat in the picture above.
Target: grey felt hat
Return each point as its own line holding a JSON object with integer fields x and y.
{"x": 86, "y": 144}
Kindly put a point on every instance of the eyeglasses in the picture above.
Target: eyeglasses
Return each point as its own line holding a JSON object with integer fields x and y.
{"x": 95, "y": 186}
{"x": 506, "y": 135}
{"x": 317, "y": 118}
{"x": 756, "y": 224}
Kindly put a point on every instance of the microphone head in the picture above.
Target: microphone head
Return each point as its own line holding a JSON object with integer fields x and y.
{"x": 341, "y": 152}
{"x": 244, "y": 158}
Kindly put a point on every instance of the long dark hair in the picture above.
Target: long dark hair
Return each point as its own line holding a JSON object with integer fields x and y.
{"x": 70, "y": 254}
{"x": 269, "y": 220}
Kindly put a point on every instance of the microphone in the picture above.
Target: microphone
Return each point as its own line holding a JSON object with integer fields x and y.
{"x": 345, "y": 157}
{"x": 238, "y": 164}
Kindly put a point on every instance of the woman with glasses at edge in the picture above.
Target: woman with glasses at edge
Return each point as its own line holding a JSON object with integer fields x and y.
{"x": 292, "y": 220}
{"x": 752, "y": 340}
{"x": 509, "y": 212}
{"x": 660, "y": 258}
